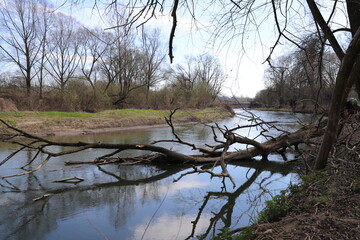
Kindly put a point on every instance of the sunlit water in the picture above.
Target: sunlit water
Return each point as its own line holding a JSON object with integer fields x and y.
{"x": 139, "y": 202}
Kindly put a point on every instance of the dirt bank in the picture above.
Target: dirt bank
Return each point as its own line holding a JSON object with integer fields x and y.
{"x": 85, "y": 123}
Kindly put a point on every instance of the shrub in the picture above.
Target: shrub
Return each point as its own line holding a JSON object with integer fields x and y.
{"x": 275, "y": 209}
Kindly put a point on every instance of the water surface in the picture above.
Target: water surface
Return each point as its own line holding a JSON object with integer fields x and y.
{"x": 142, "y": 201}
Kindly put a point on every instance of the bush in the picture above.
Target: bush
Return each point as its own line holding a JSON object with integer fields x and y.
{"x": 275, "y": 209}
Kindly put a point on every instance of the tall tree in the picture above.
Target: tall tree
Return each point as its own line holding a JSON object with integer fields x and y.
{"x": 184, "y": 78}
{"x": 91, "y": 49}
{"x": 122, "y": 60}
{"x": 21, "y": 40}
{"x": 153, "y": 58}
{"x": 45, "y": 25}
{"x": 210, "y": 73}
{"x": 63, "y": 47}
{"x": 353, "y": 8}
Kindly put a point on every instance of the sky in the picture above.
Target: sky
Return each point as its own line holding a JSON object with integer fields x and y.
{"x": 244, "y": 72}
{"x": 242, "y": 57}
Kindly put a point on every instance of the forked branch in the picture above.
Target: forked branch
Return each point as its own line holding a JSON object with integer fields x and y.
{"x": 218, "y": 155}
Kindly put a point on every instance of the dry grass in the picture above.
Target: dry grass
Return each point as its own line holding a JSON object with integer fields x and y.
{"x": 56, "y": 123}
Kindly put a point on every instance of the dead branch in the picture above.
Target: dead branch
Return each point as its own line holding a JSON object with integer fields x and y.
{"x": 31, "y": 171}
{"x": 42, "y": 197}
{"x": 197, "y": 170}
{"x": 74, "y": 180}
{"x": 218, "y": 154}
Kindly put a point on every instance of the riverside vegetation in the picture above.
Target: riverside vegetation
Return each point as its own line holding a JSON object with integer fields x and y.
{"x": 324, "y": 205}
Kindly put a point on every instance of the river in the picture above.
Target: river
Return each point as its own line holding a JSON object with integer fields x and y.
{"x": 139, "y": 201}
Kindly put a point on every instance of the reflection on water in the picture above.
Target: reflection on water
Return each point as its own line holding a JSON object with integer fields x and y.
{"x": 136, "y": 202}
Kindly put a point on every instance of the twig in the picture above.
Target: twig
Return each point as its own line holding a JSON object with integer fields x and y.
{"x": 31, "y": 171}
{"x": 73, "y": 180}
{"x": 42, "y": 197}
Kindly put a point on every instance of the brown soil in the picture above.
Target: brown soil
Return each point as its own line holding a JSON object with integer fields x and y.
{"x": 327, "y": 204}
{"x": 43, "y": 126}
{"x": 70, "y": 126}
{"x": 7, "y": 105}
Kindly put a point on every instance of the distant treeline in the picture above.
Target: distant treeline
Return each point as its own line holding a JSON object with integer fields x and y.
{"x": 52, "y": 62}
{"x": 302, "y": 79}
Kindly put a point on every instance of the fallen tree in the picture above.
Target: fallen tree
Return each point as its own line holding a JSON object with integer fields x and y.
{"x": 218, "y": 154}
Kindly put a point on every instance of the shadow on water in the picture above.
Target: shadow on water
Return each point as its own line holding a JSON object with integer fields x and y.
{"x": 134, "y": 202}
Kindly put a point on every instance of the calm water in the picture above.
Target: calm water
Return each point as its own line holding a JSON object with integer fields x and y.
{"x": 138, "y": 202}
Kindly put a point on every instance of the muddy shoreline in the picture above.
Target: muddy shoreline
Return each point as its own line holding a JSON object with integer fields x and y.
{"x": 101, "y": 123}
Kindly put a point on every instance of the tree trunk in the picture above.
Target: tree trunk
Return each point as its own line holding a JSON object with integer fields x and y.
{"x": 348, "y": 71}
{"x": 353, "y": 9}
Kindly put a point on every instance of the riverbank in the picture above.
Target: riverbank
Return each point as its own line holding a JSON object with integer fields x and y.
{"x": 70, "y": 123}
{"x": 326, "y": 205}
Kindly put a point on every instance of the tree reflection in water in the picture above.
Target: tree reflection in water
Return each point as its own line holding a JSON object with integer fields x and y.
{"x": 122, "y": 191}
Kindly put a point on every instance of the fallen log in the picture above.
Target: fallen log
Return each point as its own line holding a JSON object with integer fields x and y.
{"x": 218, "y": 154}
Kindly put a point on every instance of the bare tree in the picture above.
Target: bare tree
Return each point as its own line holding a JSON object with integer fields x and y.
{"x": 21, "y": 39}
{"x": 63, "y": 47}
{"x": 91, "y": 51}
{"x": 121, "y": 63}
{"x": 198, "y": 81}
{"x": 45, "y": 25}
{"x": 303, "y": 75}
{"x": 184, "y": 78}
{"x": 210, "y": 73}
{"x": 153, "y": 58}
{"x": 277, "y": 79}
{"x": 121, "y": 66}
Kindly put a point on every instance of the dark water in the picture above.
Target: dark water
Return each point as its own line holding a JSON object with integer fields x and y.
{"x": 138, "y": 202}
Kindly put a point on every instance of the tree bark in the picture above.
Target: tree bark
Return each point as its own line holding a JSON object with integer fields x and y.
{"x": 319, "y": 19}
{"x": 349, "y": 69}
{"x": 353, "y": 9}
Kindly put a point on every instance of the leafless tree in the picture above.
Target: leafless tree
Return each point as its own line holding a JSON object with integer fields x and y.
{"x": 62, "y": 55}
{"x": 91, "y": 50}
{"x": 121, "y": 62}
{"x": 153, "y": 58}
{"x": 45, "y": 25}
{"x": 183, "y": 77}
{"x": 21, "y": 40}
{"x": 199, "y": 77}
{"x": 303, "y": 75}
{"x": 277, "y": 79}
{"x": 210, "y": 73}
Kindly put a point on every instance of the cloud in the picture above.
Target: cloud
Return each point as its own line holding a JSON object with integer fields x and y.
{"x": 170, "y": 227}
{"x": 186, "y": 183}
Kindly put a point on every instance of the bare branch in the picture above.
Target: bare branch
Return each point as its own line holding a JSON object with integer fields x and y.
{"x": 173, "y": 28}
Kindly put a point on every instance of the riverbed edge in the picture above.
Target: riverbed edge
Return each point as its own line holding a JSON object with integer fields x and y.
{"x": 46, "y": 126}
{"x": 323, "y": 205}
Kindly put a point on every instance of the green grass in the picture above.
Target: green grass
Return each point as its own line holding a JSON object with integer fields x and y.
{"x": 13, "y": 114}
{"x": 64, "y": 114}
{"x": 134, "y": 113}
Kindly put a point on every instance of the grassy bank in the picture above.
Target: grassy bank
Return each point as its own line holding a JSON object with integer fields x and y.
{"x": 80, "y": 122}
